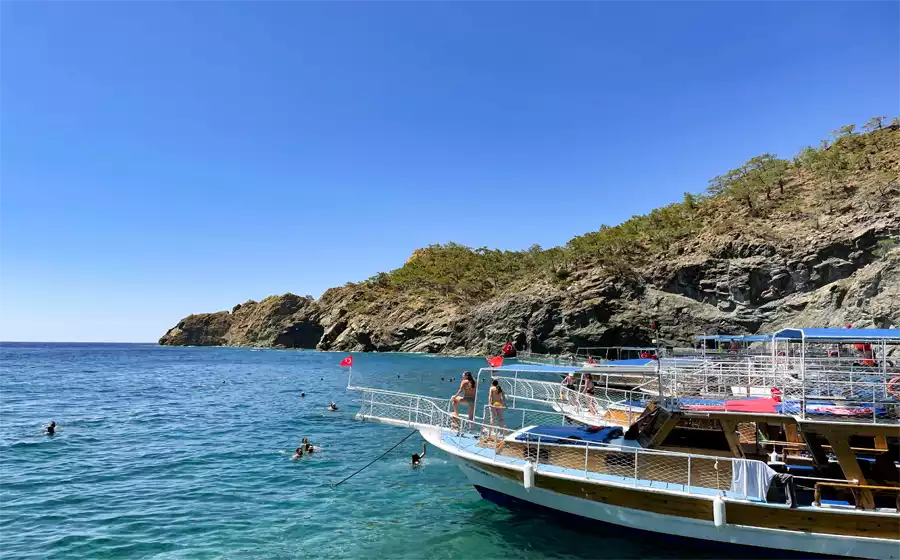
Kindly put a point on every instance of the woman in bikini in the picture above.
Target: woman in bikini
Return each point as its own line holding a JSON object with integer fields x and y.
{"x": 465, "y": 394}
{"x": 589, "y": 392}
{"x": 497, "y": 398}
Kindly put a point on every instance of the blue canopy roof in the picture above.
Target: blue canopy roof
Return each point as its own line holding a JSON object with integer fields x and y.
{"x": 838, "y": 335}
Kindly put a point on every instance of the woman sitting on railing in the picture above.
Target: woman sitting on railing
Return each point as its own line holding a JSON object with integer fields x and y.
{"x": 497, "y": 398}
{"x": 465, "y": 394}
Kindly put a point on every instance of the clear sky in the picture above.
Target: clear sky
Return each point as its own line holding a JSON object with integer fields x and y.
{"x": 161, "y": 158}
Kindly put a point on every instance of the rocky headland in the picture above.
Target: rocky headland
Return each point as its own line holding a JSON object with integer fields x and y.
{"x": 810, "y": 241}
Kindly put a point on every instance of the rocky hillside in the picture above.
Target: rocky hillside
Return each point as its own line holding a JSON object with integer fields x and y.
{"x": 809, "y": 241}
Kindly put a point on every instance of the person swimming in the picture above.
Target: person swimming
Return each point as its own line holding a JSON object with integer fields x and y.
{"x": 51, "y": 429}
{"x": 333, "y": 407}
{"x": 298, "y": 453}
{"x": 417, "y": 458}
{"x": 302, "y": 394}
{"x": 308, "y": 447}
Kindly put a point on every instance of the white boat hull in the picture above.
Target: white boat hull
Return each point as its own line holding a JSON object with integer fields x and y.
{"x": 781, "y": 540}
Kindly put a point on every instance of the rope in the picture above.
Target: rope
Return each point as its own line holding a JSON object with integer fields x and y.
{"x": 376, "y": 459}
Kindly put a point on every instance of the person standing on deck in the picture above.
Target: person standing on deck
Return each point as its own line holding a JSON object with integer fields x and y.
{"x": 497, "y": 400}
{"x": 589, "y": 392}
{"x": 465, "y": 395}
{"x": 568, "y": 382}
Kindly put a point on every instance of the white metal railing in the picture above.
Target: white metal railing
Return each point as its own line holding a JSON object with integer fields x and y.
{"x": 610, "y": 353}
{"x": 626, "y": 405}
{"x": 686, "y": 473}
{"x": 529, "y": 357}
{"x": 825, "y": 388}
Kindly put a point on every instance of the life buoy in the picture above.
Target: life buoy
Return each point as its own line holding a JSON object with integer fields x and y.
{"x": 893, "y": 387}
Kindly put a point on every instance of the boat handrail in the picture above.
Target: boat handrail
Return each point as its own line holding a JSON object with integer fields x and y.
{"x": 681, "y": 472}
{"x": 465, "y": 422}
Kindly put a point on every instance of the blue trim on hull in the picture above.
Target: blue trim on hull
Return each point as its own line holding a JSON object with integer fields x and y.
{"x": 596, "y": 527}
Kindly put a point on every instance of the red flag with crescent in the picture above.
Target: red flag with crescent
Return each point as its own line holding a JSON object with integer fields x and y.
{"x": 348, "y": 361}
{"x": 496, "y": 361}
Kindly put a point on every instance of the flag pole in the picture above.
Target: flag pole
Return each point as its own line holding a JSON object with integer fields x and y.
{"x": 349, "y": 376}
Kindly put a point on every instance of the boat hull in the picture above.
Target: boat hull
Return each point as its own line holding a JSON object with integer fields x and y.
{"x": 509, "y": 491}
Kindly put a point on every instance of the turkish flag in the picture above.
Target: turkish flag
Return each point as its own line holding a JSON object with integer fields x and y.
{"x": 496, "y": 361}
{"x": 348, "y": 361}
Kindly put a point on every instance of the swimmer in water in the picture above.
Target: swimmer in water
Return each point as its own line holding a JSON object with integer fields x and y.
{"x": 417, "y": 458}
{"x": 308, "y": 447}
{"x": 332, "y": 407}
{"x": 298, "y": 453}
{"x": 51, "y": 429}
{"x": 302, "y": 394}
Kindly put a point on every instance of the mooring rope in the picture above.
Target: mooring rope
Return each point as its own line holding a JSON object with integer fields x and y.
{"x": 375, "y": 459}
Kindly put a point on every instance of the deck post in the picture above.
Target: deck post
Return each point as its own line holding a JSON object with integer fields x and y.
{"x": 635, "y": 467}
{"x": 729, "y": 427}
{"x": 802, "y": 375}
{"x": 689, "y": 475}
{"x": 840, "y": 445}
{"x": 586, "y": 463}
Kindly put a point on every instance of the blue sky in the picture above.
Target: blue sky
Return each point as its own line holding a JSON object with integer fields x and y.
{"x": 159, "y": 158}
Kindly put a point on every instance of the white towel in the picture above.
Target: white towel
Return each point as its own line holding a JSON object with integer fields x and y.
{"x": 751, "y": 478}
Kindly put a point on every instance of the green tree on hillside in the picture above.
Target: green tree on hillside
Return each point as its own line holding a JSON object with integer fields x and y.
{"x": 875, "y": 123}
{"x": 845, "y": 130}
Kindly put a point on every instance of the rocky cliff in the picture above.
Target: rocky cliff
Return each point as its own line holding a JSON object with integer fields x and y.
{"x": 810, "y": 242}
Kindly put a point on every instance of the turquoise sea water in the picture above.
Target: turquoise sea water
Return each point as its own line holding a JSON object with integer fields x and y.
{"x": 186, "y": 453}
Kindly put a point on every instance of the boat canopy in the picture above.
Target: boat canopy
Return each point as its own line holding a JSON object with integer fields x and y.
{"x": 840, "y": 335}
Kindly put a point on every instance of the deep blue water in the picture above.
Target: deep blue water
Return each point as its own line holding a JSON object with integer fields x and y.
{"x": 186, "y": 453}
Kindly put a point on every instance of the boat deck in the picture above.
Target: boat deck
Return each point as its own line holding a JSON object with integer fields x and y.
{"x": 471, "y": 444}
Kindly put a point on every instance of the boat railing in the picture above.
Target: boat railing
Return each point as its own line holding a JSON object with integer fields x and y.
{"x": 519, "y": 440}
{"x": 406, "y": 409}
{"x": 614, "y": 405}
{"x": 857, "y": 491}
{"x": 529, "y": 357}
{"x": 872, "y": 398}
{"x": 610, "y": 353}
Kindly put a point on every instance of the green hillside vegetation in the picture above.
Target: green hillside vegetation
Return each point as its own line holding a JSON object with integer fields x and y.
{"x": 851, "y": 168}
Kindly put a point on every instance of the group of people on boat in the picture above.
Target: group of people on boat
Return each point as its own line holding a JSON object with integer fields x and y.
{"x": 587, "y": 387}
{"x": 466, "y": 395}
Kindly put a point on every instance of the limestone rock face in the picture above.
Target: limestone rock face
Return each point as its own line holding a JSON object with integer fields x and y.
{"x": 288, "y": 321}
{"x": 832, "y": 285}
{"x": 819, "y": 258}
{"x": 740, "y": 287}
{"x": 204, "y": 329}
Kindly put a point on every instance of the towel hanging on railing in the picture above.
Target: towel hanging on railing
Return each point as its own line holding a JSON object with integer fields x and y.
{"x": 751, "y": 478}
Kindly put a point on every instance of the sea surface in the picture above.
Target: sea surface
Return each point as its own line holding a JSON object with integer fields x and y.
{"x": 186, "y": 453}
